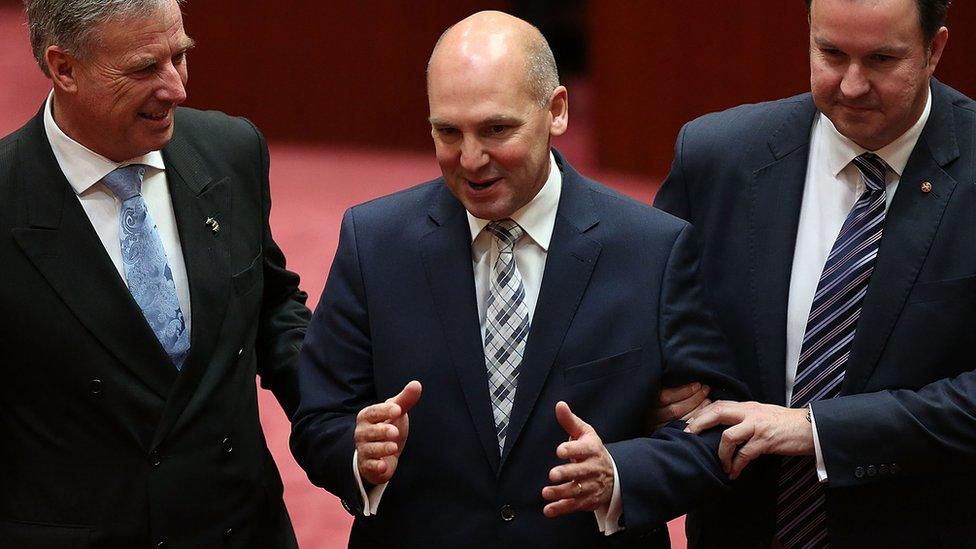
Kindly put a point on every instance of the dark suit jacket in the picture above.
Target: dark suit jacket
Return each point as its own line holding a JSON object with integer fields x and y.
{"x": 618, "y": 312}
{"x": 102, "y": 442}
{"x": 899, "y": 443}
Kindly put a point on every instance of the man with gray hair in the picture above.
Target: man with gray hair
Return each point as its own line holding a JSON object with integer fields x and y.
{"x": 538, "y": 311}
{"x": 144, "y": 292}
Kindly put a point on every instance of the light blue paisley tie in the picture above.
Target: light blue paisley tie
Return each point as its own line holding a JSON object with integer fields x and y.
{"x": 147, "y": 273}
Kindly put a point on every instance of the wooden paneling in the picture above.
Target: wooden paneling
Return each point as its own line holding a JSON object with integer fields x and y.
{"x": 658, "y": 64}
{"x": 349, "y": 73}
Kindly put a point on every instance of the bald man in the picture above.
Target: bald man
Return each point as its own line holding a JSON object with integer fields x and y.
{"x": 488, "y": 350}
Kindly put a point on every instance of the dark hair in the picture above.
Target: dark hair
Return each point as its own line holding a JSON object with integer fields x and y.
{"x": 931, "y": 16}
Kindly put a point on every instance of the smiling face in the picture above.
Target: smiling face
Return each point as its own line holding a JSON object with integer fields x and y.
{"x": 119, "y": 100}
{"x": 870, "y": 66}
{"x": 491, "y": 134}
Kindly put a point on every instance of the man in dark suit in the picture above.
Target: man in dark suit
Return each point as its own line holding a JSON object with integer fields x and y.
{"x": 524, "y": 297}
{"x": 839, "y": 250}
{"x": 142, "y": 293}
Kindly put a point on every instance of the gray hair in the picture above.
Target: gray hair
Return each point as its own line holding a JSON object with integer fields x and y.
{"x": 541, "y": 74}
{"x": 69, "y": 23}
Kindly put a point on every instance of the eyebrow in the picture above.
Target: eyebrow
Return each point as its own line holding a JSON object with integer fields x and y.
{"x": 498, "y": 120}
{"x": 884, "y": 50}
{"x": 147, "y": 60}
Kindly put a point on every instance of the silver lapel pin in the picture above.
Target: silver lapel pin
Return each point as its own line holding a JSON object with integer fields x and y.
{"x": 212, "y": 223}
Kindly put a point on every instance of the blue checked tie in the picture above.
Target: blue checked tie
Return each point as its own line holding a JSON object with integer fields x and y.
{"x": 506, "y": 325}
{"x": 147, "y": 273}
{"x": 801, "y": 520}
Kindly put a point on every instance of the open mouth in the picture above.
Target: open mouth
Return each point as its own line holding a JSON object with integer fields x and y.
{"x": 154, "y": 116}
{"x": 483, "y": 185}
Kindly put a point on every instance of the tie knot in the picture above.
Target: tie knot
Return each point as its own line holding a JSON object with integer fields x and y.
{"x": 126, "y": 181}
{"x": 872, "y": 168}
{"x": 507, "y": 232}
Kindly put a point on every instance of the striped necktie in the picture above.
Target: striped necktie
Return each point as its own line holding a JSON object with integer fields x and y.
{"x": 506, "y": 325}
{"x": 147, "y": 271}
{"x": 800, "y": 515}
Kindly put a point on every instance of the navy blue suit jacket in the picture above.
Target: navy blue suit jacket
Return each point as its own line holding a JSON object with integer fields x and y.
{"x": 620, "y": 312}
{"x": 899, "y": 443}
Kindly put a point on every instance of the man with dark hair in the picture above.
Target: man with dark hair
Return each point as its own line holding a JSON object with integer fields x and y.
{"x": 143, "y": 293}
{"x": 847, "y": 216}
{"x": 540, "y": 310}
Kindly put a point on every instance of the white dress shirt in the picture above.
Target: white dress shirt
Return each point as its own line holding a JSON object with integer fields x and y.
{"x": 832, "y": 186}
{"x": 84, "y": 170}
{"x": 537, "y": 219}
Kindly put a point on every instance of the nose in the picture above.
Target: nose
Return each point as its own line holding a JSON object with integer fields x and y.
{"x": 854, "y": 82}
{"x": 473, "y": 155}
{"x": 173, "y": 88}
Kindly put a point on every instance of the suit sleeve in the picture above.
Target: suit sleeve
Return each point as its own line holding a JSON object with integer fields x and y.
{"x": 671, "y": 472}
{"x": 336, "y": 376}
{"x": 284, "y": 316}
{"x": 911, "y": 433}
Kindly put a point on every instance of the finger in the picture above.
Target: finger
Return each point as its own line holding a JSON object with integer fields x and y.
{"x": 567, "y": 490}
{"x": 561, "y": 507}
{"x": 732, "y": 438}
{"x": 694, "y": 413}
{"x": 408, "y": 397}
{"x": 571, "y": 472}
{"x": 748, "y": 452}
{"x": 373, "y": 468}
{"x": 576, "y": 450}
{"x": 671, "y": 395}
{"x": 376, "y": 450}
{"x": 378, "y": 413}
{"x": 717, "y": 413}
{"x": 573, "y": 425}
{"x": 683, "y": 407}
{"x": 375, "y": 432}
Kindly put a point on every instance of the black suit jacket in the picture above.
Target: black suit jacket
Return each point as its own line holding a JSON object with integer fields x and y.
{"x": 619, "y": 311}
{"x": 102, "y": 442}
{"x": 899, "y": 443}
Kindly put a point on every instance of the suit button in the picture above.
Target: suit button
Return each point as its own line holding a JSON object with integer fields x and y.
{"x": 95, "y": 388}
{"x": 872, "y": 470}
{"x": 508, "y": 513}
{"x": 162, "y": 545}
{"x": 227, "y": 445}
{"x": 155, "y": 460}
{"x": 240, "y": 351}
{"x": 859, "y": 472}
{"x": 883, "y": 469}
{"x": 228, "y": 534}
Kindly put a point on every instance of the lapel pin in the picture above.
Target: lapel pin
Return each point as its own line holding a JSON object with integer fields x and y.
{"x": 212, "y": 223}
{"x": 926, "y": 187}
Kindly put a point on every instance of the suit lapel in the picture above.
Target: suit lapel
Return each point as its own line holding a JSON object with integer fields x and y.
{"x": 62, "y": 244}
{"x": 774, "y": 213}
{"x": 910, "y": 226}
{"x": 446, "y": 253}
{"x": 196, "y": 196}
{"x": 569, "y": 263}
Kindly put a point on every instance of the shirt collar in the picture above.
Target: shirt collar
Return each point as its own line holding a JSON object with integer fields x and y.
{"x": 81, "y": 166}
{"x": 538, "y": 217}
{"x": 841, "y": 150}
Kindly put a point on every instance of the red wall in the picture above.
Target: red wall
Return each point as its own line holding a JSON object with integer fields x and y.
{"x": 656, "y": 65}
{"x": 350, "y": 73}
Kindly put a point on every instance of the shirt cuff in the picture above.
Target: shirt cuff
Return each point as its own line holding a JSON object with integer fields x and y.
{"x": 371, "y": 501}
{"x": 821, "y": 467}
{"x": 608, "y": 516}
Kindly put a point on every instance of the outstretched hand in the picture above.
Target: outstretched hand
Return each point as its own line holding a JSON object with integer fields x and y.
{"x": 381, "y": 432}
{"x": 586, "y": 482}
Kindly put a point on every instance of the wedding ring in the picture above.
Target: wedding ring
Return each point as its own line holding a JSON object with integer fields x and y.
{"x": 579, "y": 488}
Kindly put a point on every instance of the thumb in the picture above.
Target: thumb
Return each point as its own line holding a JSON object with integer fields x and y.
{"x": 408, "y": 397}
{"x": 574, "y": 426}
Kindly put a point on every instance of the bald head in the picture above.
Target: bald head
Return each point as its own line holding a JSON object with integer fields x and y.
{"x": 497, "y": 41}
